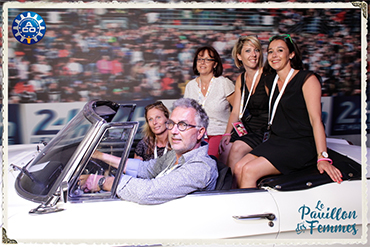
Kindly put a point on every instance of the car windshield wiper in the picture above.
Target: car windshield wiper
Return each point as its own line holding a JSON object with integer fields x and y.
{"x": 24, "y": 170}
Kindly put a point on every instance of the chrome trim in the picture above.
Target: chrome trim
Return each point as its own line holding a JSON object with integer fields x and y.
{"x": 268, "y": 216}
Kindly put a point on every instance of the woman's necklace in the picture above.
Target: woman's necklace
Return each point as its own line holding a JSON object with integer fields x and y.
{"x": 201, "y": 95}
{"x": 201, "y": 84}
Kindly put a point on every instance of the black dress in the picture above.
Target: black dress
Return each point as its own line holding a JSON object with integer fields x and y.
{"x": 291, "y": 145}
{"x": 255, "y": 116}
{"x": 141, "y": 149}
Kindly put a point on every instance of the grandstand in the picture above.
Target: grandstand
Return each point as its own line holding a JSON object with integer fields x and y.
{"x": 143, "y": 46}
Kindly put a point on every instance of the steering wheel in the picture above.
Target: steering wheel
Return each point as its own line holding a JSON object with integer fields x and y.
{"x": 93, "y": 167}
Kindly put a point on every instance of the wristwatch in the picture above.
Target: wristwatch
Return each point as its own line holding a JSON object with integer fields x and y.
{"x": 101, "y": 182}
{"x": 324, "y": 154}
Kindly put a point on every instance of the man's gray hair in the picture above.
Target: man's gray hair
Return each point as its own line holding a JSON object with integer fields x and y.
{"x": 201, "y": 117}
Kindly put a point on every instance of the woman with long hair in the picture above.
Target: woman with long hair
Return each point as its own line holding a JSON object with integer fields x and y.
{"x": 296, "y": 137}
{"x": 155, "y": 141}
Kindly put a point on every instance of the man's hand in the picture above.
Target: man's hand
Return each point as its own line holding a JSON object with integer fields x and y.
{"x": 97, "y": 155}
{"x": 89, "y": 183}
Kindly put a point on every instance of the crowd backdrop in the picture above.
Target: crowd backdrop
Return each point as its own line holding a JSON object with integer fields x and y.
{"x": 139, "y": 54}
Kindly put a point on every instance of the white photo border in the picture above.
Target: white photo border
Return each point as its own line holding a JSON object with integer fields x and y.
{"x": 202, "y": 242}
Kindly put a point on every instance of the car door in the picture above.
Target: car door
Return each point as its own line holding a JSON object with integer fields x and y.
{"x": 249, "y": 213}
{"x": 330, "y": 211}
{"x": 207, "y": 215}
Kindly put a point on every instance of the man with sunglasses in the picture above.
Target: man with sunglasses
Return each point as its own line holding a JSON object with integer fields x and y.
{"x": 183, "y": 170}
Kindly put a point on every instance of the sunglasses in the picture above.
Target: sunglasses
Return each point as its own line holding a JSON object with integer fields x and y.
{"x": 284, "y": 36}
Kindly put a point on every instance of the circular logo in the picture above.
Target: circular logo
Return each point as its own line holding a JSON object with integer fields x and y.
{"x": 28, "y": 28}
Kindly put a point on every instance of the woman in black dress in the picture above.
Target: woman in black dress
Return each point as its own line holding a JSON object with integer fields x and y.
{"x": 297, "y": 137}
{"x": 250, "y": 103}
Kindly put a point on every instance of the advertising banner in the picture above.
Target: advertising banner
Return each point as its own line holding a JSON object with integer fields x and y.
{"x": 326, "y": 106}
{"x": 34, "y": 123}
{"x": 346, "y": 115}
{"x": 41, "y": 122}
{"x": 14, "y": 132}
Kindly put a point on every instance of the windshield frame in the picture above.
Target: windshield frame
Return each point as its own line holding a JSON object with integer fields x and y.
{"x": 77, "y": 171}
{"x": 89, "y": 114}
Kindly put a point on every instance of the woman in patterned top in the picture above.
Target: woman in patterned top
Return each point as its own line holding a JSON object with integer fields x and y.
{"x": 155, "y": 142}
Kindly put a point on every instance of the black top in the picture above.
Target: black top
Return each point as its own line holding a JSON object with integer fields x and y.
{"x": 255, "y": 116}
{"x": 141, "y": 148}
{"x": 291, "y": 145}
{"x": 291, "y": 119}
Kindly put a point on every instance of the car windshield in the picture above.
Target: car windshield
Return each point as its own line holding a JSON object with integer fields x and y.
{"x": 115, "y": 143}
{"x": 40, "y": 175}
{"x": 102, "y": 125}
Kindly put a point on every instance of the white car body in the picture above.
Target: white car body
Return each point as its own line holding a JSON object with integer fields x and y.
{"x": 207, "y": 217}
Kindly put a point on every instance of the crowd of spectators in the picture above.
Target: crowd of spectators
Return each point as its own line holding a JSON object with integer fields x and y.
{"x": 133, "y": 54}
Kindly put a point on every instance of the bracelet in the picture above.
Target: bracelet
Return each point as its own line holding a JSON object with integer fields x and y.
{"x": 327, "y": 159}
{"x": 226, "y": 134}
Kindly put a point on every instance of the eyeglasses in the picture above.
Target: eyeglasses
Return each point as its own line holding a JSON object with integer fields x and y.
{"x": 285, "y": 36}
{"x": 205, "y": 60}
{"x": 182, "y": 126}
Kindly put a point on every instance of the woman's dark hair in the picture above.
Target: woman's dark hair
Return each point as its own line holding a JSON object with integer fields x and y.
{"x": 295, "y": 62}
{"x": 213, "y": 54}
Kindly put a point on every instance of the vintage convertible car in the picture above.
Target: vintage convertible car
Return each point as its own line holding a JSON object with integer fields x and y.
{"x": 44, "y": 202}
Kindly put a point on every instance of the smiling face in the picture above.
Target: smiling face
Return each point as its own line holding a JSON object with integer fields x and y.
{"x": 205, "y": 67}
{"x": 278, "y": 55}
{"x": 157, "y": 121}
{"x": 249, "y": 55}
{"x": 189, "y": 139}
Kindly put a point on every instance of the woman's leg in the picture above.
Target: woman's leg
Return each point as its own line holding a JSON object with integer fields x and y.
{"x": 255, "y": 169}
{"x": 238, "y": 167}
{"x": 238, "y": 150}
{"x": 225, "y": 153}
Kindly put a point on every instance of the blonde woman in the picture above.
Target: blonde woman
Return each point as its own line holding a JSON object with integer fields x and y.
{"x": 155, "y": 141}
{"x": 250, "y": 103}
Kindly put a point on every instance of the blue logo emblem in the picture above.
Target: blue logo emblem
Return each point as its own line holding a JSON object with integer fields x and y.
{"x": 28, "y": 28}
